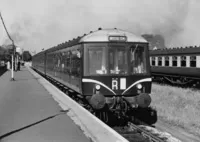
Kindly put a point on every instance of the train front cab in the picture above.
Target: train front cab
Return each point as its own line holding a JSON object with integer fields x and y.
{"x": 116, "y": 71}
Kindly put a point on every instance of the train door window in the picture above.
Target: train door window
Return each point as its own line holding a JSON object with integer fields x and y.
{"x": 159, "y": 61}
{"x": 192, "y": 61}
{"x": 183, "y": 61}
{"x": 166, "y": 61}
{"x": 174, "y": 61}
{"x": 153, "y": 61}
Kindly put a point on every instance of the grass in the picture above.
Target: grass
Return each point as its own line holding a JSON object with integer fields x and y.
{"x": 178, "y": 106}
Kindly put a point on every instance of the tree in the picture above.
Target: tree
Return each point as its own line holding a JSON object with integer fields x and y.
{"x": 26, "y": 56}
{"x": 4, "y": 54}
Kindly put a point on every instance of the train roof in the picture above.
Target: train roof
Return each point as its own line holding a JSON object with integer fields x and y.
{"x": 101, "y": 35}
{"x": 40, "y": 53}
{"x": 176, "y": 51}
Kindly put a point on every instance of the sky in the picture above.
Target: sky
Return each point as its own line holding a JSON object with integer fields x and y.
{"x": 38, "y": 24}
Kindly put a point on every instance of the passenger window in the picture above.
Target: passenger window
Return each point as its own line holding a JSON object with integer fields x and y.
{"x": 62, "y": 60}
{"x": 166, "y": 61}
{"x": 174, "y": 61}
{"x": 68, "y": 62}
{"x": 192, "y": 61}
{"x": 76, "y": 63}
{"x": 183, "y": 61}
{"x": 65, "y": 62}
{"x": 153, "y": 61}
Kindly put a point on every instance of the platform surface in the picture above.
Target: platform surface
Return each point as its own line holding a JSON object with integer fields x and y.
{"x": 24, "y": 102}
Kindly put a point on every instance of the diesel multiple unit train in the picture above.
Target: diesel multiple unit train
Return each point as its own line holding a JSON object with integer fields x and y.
{"x": 179, "y": 66}
{"x": 109, "y": 68}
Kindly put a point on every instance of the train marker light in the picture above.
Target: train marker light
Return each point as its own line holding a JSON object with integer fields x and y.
{"x": 139, "y": 86}
{"x": 97, "y": 87}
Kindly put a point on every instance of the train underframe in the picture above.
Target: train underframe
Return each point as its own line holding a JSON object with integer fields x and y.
{"x": 117, "y": 108}
{"x": 177, "y": 80}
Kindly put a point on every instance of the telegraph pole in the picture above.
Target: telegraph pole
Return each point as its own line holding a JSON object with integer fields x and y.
{"x": 13, "y": 46}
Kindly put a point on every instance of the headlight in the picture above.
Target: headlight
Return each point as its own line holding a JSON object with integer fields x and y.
{"x": 139, "y": 86}
{"x": 97, "y": 87}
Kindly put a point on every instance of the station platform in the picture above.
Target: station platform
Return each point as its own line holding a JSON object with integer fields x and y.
{"x": 32, "y": 109}
{"x": 28, "y": 113}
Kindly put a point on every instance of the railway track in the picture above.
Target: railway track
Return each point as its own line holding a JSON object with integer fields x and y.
{"x": 132, "y": 132}
{"x": 139, "y": 133}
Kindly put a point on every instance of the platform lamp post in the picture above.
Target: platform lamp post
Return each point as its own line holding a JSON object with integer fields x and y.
{"x": 13, "y": 59}
{"x": 13, "y": 49}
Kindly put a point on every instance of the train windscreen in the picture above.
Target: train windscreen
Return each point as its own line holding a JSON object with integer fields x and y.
{"x": 114, "y": 59}
{"x": 118, "y": 60}
{"x": 138, "y": 63}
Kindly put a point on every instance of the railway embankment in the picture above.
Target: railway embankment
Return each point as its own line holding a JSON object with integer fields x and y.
{"x": 178, "y": 107}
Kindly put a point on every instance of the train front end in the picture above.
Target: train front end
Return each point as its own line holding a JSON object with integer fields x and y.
{"x": 116, "y": 71}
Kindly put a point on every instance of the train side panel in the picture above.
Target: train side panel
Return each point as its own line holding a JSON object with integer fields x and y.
{"x": 39, "y": 62}
{"x": 179, "y": 65}
{"x": 177, "y": 71}
{"x": 65, "y": 66}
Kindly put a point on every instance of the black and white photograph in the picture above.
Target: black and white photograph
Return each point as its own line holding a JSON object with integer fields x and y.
{"x": 99, "y": 71}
